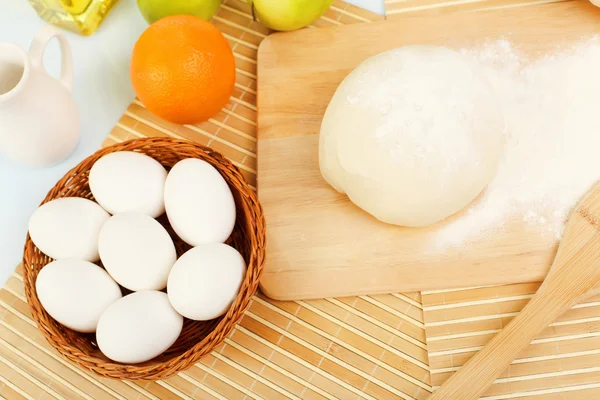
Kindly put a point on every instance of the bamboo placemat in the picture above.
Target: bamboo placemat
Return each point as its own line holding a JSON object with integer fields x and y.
{"x": 563, "y": 362}
{"x": 370, "y": 347}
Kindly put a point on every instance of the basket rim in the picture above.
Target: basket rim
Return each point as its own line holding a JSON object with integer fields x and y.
{"x": 255, "y": 264}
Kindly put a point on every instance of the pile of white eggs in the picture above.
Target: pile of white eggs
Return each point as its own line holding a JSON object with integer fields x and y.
{"x": 120, "y": 230}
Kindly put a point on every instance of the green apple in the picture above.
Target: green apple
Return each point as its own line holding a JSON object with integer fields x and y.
{"x": 153, "y": 10}
{"x": 288, "y": 15}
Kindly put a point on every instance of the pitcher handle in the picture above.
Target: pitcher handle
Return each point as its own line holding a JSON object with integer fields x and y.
{"x": 38, "y": 47}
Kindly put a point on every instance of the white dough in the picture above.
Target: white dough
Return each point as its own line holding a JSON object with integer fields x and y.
{"x": 412, "y": 135}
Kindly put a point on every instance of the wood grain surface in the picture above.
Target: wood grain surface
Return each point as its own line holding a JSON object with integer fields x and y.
{"x": 320, "y": 244}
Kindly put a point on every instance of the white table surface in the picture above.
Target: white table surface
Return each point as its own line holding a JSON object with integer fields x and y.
{"x": 102, "y": 91}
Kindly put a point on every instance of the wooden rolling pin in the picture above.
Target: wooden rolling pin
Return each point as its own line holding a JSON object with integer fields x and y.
{"x": 572, "y": 278}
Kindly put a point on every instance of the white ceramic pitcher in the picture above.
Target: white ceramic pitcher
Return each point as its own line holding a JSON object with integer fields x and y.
{"x": 39, "y": 122}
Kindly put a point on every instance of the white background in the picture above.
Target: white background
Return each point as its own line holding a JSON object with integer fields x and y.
{"x": 102, "y": 91}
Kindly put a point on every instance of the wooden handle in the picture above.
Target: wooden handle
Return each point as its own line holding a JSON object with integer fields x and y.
{"x": 475, "y": 377}
{"x": 572, "y": 278}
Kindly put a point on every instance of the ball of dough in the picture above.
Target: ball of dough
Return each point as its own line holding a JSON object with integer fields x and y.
{"x": 412, "y": 135}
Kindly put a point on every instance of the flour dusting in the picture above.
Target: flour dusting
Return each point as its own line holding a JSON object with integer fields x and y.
{"x": 551, "y": 157}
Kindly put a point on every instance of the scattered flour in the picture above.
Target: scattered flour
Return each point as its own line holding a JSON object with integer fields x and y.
{"x": 552, "y": 148}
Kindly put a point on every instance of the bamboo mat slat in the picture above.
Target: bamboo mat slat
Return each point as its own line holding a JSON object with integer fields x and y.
{"x": 564, "y": 360}
{"x": 350, "y": 348}
{"x": 419, "y": 8}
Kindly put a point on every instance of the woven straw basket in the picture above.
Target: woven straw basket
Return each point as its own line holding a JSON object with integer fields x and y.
{"x": 197, "y": 338}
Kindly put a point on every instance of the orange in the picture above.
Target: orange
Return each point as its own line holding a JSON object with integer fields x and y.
{"x": 183, "y": 69}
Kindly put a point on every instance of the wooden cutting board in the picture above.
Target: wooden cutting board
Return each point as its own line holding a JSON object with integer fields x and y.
{"x": 320, "y": 244}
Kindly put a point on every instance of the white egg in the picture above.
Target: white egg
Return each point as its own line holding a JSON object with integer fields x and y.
{"x": 199, "y": 204}
{"x": 137, "y": 251}
{"x": 76, "y": 293}
{"x": 68, "y": 228}
{"x": 138, "y": 327}
{"x": 127, "y": 181}
{"x": 205, "y": 281}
